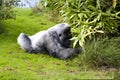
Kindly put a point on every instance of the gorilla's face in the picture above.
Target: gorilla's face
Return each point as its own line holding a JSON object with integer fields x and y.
{"x": 64, "y": 34}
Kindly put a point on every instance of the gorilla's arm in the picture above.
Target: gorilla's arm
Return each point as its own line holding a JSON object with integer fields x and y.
{"x": 55, "y": 49}
{"x": 65, "y": 53}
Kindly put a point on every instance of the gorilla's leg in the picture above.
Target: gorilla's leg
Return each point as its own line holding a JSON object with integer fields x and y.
{"x": 25, "y": 42}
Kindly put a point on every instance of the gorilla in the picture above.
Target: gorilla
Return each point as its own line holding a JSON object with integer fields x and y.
{"x": 55, "y": 41}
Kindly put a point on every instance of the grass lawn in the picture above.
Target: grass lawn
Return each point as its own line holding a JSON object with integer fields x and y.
{"x": 19, "y": 65}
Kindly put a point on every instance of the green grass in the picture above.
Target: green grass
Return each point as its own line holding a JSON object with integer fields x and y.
{"x": 19, "y": 65}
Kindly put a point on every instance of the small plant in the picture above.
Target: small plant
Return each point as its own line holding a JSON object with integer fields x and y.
{"x": 53, "y": 8}
{"x": 6, "y": 11}
{"x": 102, "y": 53}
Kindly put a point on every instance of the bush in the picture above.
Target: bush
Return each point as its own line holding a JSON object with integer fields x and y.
{"x": 87, "y": 17}
{"x": 104, "y": 53}
{"x": 6, "y": 11}
{"x": 53, "y": 9}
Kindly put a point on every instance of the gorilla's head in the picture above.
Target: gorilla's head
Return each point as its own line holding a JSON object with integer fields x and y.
{"x": 62, "y": 33}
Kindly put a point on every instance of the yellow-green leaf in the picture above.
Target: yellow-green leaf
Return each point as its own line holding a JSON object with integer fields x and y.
{"x": 114, "y": 3}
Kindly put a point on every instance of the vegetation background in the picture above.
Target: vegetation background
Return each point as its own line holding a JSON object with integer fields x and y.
{"x": 95, "y": 27}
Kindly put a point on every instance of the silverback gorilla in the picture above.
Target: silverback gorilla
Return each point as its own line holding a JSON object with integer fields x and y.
{"x": 54, "y": 41}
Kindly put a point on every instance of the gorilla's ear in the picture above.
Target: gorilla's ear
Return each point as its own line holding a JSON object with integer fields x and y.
{"x": 67, "y": 30}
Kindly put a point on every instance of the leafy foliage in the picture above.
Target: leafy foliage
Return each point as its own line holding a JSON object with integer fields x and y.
{"x": 6, "y": 11}
{"x": 88, "y": 17}
{"x": 53, "y": 8}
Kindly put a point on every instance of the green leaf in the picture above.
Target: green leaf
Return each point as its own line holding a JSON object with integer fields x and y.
{"x": 75, "y": 43}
